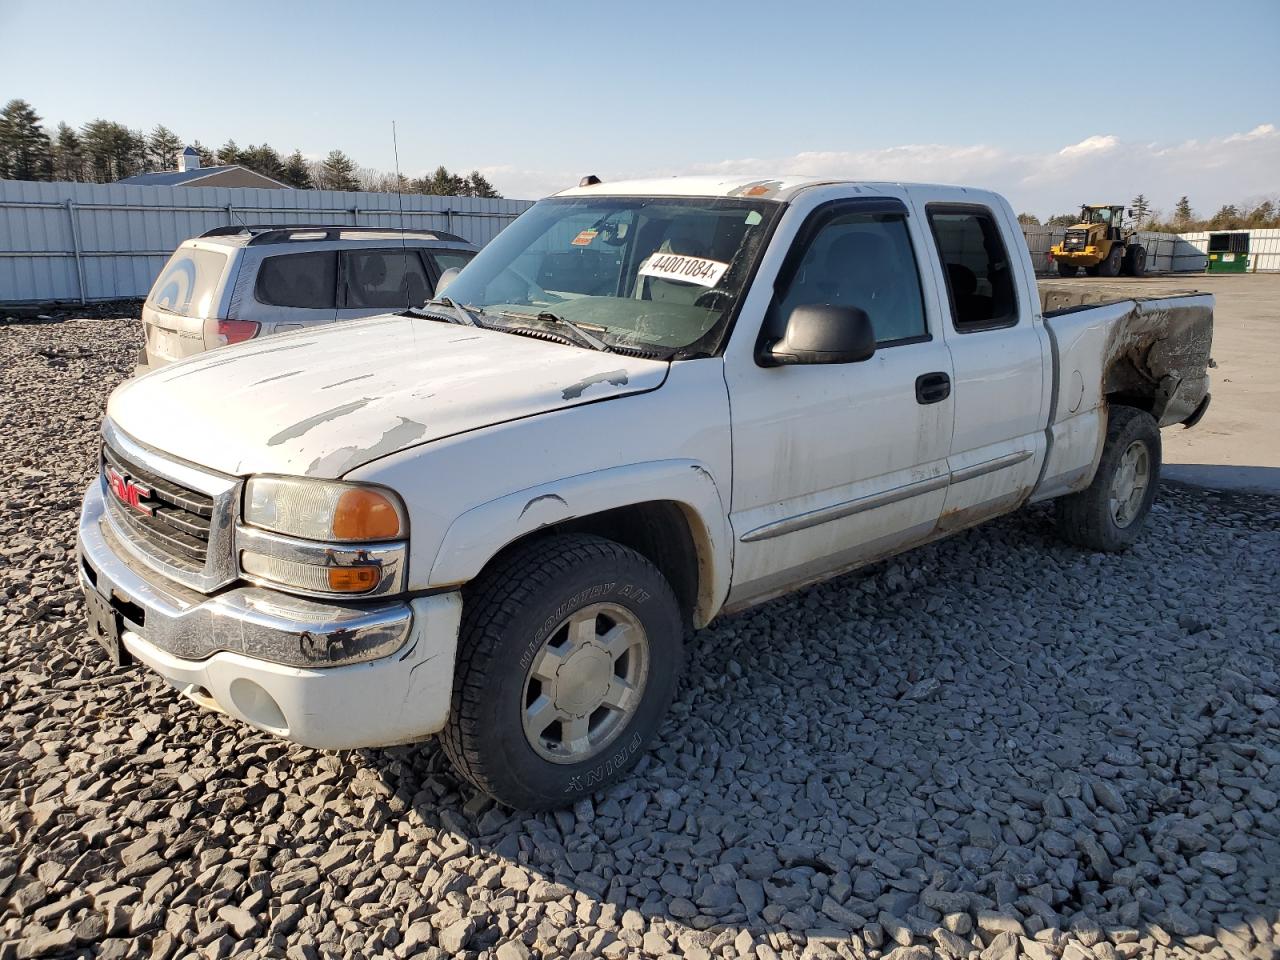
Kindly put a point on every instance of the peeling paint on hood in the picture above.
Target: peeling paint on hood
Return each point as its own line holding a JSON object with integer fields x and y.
{"x": 352, "y": 392}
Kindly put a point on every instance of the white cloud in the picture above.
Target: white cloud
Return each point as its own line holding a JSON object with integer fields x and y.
{"x": 1088, "y": 145}
{"x": 1099, "y": 168}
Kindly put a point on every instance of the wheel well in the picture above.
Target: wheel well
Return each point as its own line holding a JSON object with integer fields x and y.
{"x": 1122, "y": 398}
{"x": 658, "y": 530}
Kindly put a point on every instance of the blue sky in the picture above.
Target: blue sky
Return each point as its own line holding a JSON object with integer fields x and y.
{"x": 1022, "y": 97}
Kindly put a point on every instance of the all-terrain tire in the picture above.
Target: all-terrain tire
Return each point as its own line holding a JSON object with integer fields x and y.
{"x": 1110, "y": 267}
{"x": 1135, "y": 260}
{"x": 1067, "y": 269}
{"x": 509, "y": 614}
{"x": 1087, "y": 519}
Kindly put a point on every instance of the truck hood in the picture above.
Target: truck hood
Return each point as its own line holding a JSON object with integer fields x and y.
{"x": 322, "y": 402}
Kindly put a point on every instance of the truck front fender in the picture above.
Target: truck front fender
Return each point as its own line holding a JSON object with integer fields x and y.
{"x": 479, "y": 534}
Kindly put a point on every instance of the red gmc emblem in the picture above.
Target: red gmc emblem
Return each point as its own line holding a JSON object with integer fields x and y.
{"x": 128, "y": 491}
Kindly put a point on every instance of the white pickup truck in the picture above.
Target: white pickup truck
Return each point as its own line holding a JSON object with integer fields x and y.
{"x": 643, "y": 406}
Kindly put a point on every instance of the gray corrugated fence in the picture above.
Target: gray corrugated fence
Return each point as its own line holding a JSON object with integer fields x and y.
{"x": 92, "y": 241}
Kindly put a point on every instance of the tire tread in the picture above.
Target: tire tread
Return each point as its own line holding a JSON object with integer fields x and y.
{"x": 1083, "y": 518}
{"x": 489, "y": 605}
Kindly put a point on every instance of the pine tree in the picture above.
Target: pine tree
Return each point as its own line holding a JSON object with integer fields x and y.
{"x": 68, "y": 156}
{"x": 25, "y": 150}
{"x": 163, "y": 146}
{"x": 112, "y": 151}
{"x": 296, "y": 171}
{"x": 478, "y": 186}
{"x": 228, "y": 153}
{"x": 139, "y": 157}
{"x": 1140, "y": 209}
{"x": 1227, "y": 218}
{"x": 264, "y": 160}
{"x": 1182, "y": 214}
{"x": 442, "y": 183}
{"x": 338, "y": 172}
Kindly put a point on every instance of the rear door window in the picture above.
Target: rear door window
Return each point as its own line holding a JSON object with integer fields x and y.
{"x": 189, "y": 282}
{"x": 299, "y": 280}
{"x": 979, "y": 274}
{"x": 385, "y": 278}
{"x": 450, "y": 259}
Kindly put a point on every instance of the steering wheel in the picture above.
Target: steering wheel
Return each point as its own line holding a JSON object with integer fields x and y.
{"x": 710, "y": 296}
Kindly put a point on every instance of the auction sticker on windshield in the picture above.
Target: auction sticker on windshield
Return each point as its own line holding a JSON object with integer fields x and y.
{"x": 675, "y": 266}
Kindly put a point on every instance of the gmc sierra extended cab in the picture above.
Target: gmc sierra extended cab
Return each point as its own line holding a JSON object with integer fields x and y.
{"x": 644, "y": 405}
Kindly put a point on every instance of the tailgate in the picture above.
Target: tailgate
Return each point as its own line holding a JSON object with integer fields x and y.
{"x": 170, "y": 336}
{"x": 187, "y": 292}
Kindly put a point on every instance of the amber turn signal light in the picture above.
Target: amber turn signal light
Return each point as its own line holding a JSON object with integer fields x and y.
{"x": 365, "y": 515}
{"x": 352, "y": 579}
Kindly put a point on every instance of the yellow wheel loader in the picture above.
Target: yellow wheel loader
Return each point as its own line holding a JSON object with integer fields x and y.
{"x": 1101, "y": 243}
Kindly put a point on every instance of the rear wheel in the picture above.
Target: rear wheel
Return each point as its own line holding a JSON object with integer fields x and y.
{"x": 1109, "y": 514}
{"x": 1135, "y": 260}
{"x": 569, "y": 653}
{"x": 1067, "y": 269}
{"x": 1110, "y": 267}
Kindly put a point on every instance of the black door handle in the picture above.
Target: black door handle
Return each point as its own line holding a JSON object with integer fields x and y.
{"x": 932, "y": 387}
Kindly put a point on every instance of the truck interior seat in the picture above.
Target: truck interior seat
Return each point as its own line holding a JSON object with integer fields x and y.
{"x": 971, "y": 306}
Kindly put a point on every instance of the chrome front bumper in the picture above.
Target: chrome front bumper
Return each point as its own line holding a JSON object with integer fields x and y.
{"x": 255, "y": 621}
{"x": 321, "y": 674}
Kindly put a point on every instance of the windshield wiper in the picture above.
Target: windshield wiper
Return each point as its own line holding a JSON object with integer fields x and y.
{"x": 590, "y": 339}
{"x": 459, "y": 313}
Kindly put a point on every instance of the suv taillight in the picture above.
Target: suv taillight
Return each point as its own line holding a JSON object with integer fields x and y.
{"x": 232, "y": 331}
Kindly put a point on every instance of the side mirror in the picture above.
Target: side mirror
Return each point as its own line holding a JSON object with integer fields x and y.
{"x": 446, "y": 278}
{"x": 821, "y": 333}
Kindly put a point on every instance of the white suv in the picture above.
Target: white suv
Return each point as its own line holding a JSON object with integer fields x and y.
{"x": 237, "y": 283}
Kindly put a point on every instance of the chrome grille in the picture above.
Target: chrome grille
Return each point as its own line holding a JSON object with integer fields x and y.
{"x": 178, "y": 521}
{"x": 182, "y": 523}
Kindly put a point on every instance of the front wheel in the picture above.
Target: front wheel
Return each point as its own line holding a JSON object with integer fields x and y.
{"x": 568, "y": 656}
{"x": 1067, "y": 269}
{"x": 1110, "y": 267}
{"x": 1108, "y": 515}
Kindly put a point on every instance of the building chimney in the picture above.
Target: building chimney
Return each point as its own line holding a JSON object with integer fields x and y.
{"x": 189, "y": 160}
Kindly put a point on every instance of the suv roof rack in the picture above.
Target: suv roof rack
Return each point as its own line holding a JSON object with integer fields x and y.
{"x": 282, "y": 233}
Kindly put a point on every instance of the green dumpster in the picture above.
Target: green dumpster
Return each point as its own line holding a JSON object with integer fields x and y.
{"x": 1228, "y": 252}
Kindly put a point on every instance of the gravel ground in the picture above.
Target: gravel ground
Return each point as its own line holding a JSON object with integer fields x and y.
{"x": 995, "y": 747}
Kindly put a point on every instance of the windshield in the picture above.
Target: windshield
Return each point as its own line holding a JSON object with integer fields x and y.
{"x": 650, "y": 273}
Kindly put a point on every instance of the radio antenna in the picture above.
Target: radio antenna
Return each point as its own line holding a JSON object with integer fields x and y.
{"x": 404, "y": 249}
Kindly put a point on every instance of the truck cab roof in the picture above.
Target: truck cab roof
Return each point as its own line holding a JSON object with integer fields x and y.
{"x": 782, "y": 188}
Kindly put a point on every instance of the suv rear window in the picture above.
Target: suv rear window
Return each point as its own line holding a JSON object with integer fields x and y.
{"x": 299, "y": 280}
{"x": 188, "y": 283}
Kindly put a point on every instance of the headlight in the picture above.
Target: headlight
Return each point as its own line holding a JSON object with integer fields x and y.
{"x": 323, "y": 538}
{"x": 324, "y": 510}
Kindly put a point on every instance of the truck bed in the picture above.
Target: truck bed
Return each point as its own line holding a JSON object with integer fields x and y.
{"x": 1057, "y": 296}
{"x": 1151, "y": 352}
